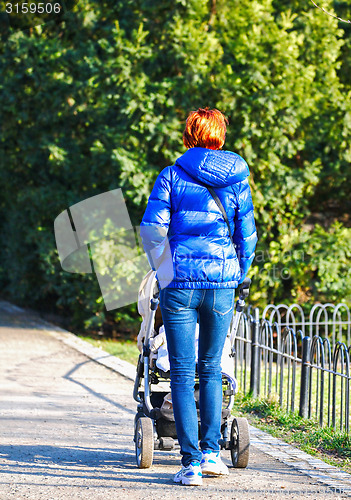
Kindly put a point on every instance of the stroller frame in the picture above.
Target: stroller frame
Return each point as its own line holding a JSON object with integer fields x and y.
{"x": 154, "y": 426}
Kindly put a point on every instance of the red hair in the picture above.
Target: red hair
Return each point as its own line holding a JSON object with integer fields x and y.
{"x": 205, "y": 128}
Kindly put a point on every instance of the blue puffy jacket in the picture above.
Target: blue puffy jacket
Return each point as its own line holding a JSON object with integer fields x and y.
{"x": 183, "y": 231}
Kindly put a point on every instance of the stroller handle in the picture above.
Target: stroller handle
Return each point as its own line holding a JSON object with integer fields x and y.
{"x": 244, "y": 289}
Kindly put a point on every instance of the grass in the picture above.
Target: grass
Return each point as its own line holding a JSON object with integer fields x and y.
{"x": 331, "y": 446}
{"x": 124, "y": 349}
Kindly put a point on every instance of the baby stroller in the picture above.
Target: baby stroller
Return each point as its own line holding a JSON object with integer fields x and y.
{"x": 154, "y": 426}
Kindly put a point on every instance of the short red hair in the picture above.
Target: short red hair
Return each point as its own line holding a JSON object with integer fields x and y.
{"x": 205, "y": 128}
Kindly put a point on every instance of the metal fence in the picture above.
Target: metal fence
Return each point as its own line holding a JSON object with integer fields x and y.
{"x": 327, "y": 320}
{"x": 304, "y": 362}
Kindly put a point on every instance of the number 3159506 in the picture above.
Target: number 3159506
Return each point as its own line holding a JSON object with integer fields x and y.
{"x": 33, "y": 8}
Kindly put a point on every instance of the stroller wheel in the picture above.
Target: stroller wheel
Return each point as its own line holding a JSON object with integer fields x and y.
{"x": 240, "y": 442}
{"x": 144, "y": 442}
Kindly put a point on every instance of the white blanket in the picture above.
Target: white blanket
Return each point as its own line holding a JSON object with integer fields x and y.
{"x": 158, "y": 345}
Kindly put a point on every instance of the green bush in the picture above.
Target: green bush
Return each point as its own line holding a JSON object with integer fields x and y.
{"x": 98, "y": 101}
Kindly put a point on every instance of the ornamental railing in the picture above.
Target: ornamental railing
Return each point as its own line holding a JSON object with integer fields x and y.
{"x": 325, "y": 320}
{"x": 304, "y": 362}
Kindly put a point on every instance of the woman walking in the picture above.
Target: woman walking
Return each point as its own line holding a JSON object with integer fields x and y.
{"x": 199, "y": 234}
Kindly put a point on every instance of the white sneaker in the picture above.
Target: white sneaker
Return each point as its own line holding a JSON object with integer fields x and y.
{"x": 211, "y": 463}
{"x": 190, "y": 475}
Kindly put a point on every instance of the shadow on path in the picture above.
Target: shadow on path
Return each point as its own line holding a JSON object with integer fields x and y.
{"x": 68, "y": 376}
{"x": 77, "y": 462}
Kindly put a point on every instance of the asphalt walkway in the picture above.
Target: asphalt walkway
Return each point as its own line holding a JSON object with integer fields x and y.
{"x": 67, "y": 431}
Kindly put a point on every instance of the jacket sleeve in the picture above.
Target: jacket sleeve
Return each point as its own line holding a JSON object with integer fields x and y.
{"x": 155, "y": 223}
{"x": 245, "y": 235}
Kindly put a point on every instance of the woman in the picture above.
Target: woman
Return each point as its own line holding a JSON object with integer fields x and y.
{"x": 187, "y": 242}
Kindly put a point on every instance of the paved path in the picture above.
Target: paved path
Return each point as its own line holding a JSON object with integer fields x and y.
{"x": 67, "y": 432}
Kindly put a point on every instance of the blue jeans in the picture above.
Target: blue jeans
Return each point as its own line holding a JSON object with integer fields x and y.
{"x": 181, "y": 308}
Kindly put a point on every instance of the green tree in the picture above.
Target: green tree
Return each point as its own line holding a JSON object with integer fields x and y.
{"x": 98, "y": 101}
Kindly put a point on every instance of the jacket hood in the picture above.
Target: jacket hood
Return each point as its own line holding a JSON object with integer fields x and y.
{"x": 214, "y": 168}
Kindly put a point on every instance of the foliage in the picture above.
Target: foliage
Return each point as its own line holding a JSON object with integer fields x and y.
{"x": 98, "y": 99}
{"x": 307, "y": 265}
